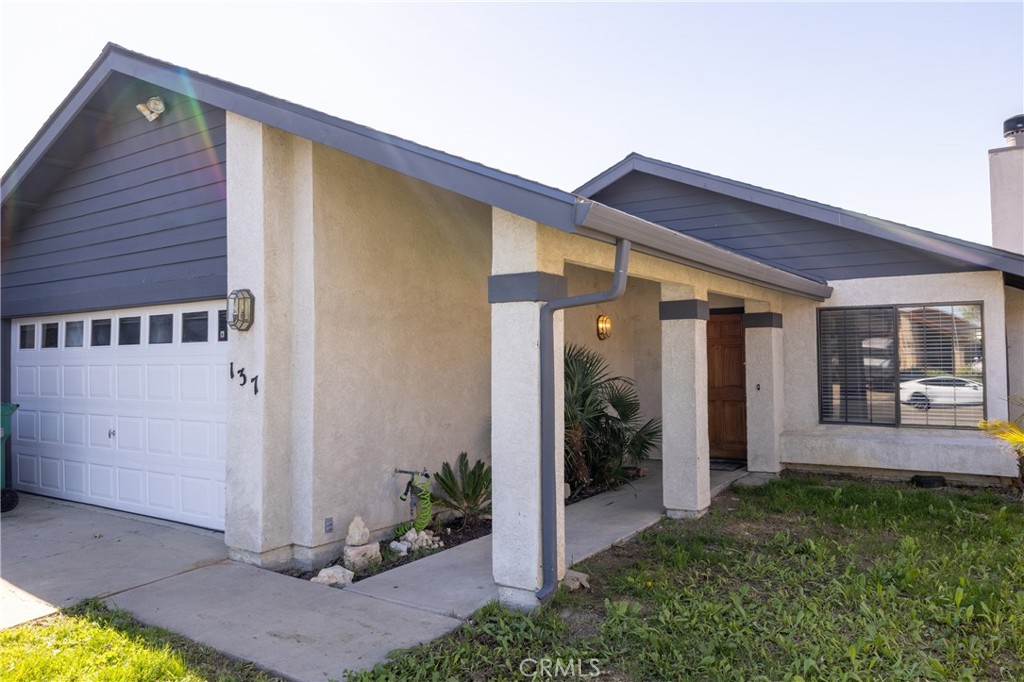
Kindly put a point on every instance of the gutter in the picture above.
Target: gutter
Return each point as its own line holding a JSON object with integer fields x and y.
{"x": 548, "y": 480}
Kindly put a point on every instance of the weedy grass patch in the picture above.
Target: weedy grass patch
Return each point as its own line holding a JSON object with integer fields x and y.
{"x": 803, "y": 579}
{"x": 90, "y": 642}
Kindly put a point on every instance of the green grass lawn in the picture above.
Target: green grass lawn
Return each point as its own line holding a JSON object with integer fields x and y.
{"x": 804, "y": 579}
{"x": 90, "y": 642}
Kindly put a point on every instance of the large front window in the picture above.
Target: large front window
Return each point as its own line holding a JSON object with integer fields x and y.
{"x": 915, "y": 365}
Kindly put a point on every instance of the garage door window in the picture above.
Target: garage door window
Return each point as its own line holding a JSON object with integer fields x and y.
{"x": 128, "y": 331}
{"x": 194, "y": 327}
{"x": 161, "y": 328}
{"x": 74, "y": 333}
{"x": 50, "y": 332}
{"x": 27, "y": 337}
{"x": 100, "y": 333}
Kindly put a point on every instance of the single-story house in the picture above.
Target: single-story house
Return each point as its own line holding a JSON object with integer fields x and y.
{"x": 393, "y": 305}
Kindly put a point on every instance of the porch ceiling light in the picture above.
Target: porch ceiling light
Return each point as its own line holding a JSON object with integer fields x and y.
{"x": 604, "y": 327}
{"x": 241, "y": 308}
{"x": 151, "y": 108}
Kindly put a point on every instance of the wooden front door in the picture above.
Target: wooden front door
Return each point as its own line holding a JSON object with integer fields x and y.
{"x": 727, "y": 391}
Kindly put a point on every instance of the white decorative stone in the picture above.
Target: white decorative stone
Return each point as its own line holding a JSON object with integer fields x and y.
{"x": 334, "y": 575}
{"x": 358, "y": 533}
{"x": 401, "y": 547}
{"x": 574, "y": 580}
{"x": 362, "y": 556}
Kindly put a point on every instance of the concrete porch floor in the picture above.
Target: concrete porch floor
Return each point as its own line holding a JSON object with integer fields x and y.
{"x": 295, "y": 628}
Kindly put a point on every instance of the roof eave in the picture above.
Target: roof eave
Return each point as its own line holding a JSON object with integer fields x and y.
{"x": 532, "y": 200}
{"x": 943, "y": 245}
{"x": 602, "y": 222}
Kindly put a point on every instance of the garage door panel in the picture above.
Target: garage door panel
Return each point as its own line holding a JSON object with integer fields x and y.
{"x": 49, "y": 382}
{"x": 50, "y": 427}
{"x": 160, "y": 382}
{"x": 101, "y": 481}
{"x": 26, "y": 382}
{"x": 196, "y": 496}
{"x": 28, "y": 470}
{"x": 137, "y": 426}
{"x": 130, "y": 384}
{"x": 195, "y": 383}
{"x": 101, "y": 381}
{"x": 74, "y": 477}
{"x": 27, "y": 424}
{"x": 101, "y": 426}
{"x": 220, "y": 441}
{"x": 131, "y": 434}
{"x": 74, "y": 381}
{"x": 196, "y": 440}
{"x": 74, "y": 428}
{"x": 161, "y": 489}
{"x": 130, "y": 486}
{"x": 50, "y": 474}
{"x": 162, "y": 439}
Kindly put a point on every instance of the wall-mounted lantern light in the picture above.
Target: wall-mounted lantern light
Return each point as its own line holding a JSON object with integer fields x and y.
{"x": 151, "y": 108}
{"x": 241, "y": 307}
{"x": 604, "y": 327}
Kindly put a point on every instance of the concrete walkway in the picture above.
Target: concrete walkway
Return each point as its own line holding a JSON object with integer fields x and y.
{"x": 295, "y": 628}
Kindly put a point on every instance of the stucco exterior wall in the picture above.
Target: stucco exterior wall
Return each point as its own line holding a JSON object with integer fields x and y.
{"x": 402, "y": 335}
{"x": 371, "y": 338}
{"x": 634, "y": 348}
{"x": 952, "y": 451}
{"x": 1015, "y": 347}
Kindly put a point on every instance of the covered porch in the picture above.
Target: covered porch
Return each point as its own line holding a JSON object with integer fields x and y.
{"x": 546, "y": 289}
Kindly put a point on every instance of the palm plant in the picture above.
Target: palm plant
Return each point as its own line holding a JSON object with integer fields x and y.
{"x": 604, "y": 431}
{"x": 1013, "y": 433}
{"x": 469, "y": 493}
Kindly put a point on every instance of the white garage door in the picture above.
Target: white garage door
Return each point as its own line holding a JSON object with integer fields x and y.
{"x": 124, "y": 409}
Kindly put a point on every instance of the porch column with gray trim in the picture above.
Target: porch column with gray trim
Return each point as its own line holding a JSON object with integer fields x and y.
{"x": 765, "y": 382}
{"x": 684, "y": 389}
{"x": 516, "y": 291}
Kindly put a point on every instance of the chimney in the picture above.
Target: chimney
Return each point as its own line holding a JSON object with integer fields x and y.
{"x": 1006, "y": 180}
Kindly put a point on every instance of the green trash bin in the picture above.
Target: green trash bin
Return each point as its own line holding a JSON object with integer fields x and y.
{"x": 8, "y": 496}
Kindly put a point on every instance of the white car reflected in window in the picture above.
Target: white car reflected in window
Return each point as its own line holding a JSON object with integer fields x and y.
{"x": 941, "y": 392}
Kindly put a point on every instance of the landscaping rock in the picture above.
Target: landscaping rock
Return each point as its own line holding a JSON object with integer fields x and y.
{"x": 356, "y": 558}
{"x": 358, "y": 533}
{"x": 574, "y": 580}
{"x": 401, "y": 547}
{"x": 334, "y": 575}
{"x": 422, "y": 540}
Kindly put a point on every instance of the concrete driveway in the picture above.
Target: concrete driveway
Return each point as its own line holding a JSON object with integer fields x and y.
{"x": 176, "y": 577}
{"x": 55, "y": 553}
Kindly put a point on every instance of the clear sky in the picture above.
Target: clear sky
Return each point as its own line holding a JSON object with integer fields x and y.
{"x": 883, "y": 108}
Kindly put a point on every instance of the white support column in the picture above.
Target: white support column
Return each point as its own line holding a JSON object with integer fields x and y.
{"x": 684, "y": 389}
{"x": 765, "y": 388}
{"x": 517, "y": 293}
{"x": 268, "y": 230}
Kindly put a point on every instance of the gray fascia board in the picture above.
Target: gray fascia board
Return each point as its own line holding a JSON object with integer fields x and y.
{"x": 607, "y": 224}
{"x": 950, "y": 247}
{"x": 526, "y": 198}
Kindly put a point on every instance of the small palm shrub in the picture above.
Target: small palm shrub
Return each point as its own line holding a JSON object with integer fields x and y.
{"x": 604, "y": 430}
{"x": 1013, "y": 433}
{"x": 467, "y": 493}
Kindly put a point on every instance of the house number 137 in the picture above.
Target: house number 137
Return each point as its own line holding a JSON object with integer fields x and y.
{"x": 244, "y": 379}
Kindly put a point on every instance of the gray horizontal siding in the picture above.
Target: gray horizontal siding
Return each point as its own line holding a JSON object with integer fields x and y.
{"x": 768, "y": 234}
{"x": 140, "y": 219}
